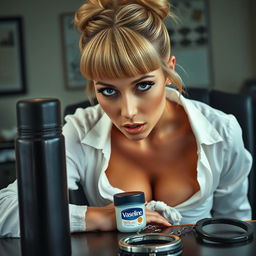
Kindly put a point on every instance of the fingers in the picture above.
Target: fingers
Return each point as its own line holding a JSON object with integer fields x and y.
{"x": 155, "y": 217}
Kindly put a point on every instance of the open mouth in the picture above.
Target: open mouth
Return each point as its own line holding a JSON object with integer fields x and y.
{"x": 134, "y": 128}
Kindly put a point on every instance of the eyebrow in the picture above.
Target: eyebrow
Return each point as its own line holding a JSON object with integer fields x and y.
{"x": 133, "y": 82}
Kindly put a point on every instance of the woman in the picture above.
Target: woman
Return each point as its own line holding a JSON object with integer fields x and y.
{"x": 188, "y": 158}
{"x": 184, "y": 155}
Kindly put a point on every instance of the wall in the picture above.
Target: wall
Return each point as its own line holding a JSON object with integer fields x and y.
{"x": 43, "y": 53}
{"x": 231, "y": 49}
{"x": 231, "y": 43}
{"x": 253, "y": 32}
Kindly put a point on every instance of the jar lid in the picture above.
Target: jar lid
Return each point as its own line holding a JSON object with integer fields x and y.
{"x": 129, "y": 197}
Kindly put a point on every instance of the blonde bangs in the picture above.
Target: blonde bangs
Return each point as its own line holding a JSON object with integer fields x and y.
{"x": 116, "y": 53}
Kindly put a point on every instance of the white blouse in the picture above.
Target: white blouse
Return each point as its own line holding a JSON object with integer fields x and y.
{"x": 222, "y": 168}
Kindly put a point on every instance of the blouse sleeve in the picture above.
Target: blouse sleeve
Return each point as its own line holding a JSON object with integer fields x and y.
{"x": 75, "y": 156}
{"x": 230, "y": 197}
{"x": 9, "y": 211}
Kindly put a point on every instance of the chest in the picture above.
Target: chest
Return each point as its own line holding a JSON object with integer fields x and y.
{"x": 167, "y": 172}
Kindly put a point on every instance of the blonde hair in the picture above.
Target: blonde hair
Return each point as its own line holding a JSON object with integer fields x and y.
{"x": 123, "y": 38}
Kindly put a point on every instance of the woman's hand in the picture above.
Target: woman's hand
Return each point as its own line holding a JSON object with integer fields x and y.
{"x": 156, "y": 218}
{"x": 104, "y": 218}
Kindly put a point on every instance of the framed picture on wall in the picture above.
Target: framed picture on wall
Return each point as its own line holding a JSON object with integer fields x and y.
{"x": 12, "y": 63}
{"x": 191, "y": 42}
{"x": 71, "y": 54}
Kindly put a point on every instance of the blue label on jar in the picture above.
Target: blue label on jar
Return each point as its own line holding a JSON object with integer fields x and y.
{"x": 131, "y": 213}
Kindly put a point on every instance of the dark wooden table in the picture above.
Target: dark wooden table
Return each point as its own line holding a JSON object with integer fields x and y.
{"x": 106, "y": 244}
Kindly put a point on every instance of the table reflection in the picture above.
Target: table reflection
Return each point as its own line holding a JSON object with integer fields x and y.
{"x": 106, "y": 244}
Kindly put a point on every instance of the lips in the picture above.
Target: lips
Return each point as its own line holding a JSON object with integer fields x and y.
{"x": 134, "y": 128}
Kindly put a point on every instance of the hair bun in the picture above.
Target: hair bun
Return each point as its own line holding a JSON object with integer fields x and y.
{"x": 92, "y": 16}
{"x": 160, "y": 7}
{"x": 90, "y": 10}
{"x": 93, "y": 8}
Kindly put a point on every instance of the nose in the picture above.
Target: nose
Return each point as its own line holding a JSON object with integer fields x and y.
{"x": 129, "y": 107}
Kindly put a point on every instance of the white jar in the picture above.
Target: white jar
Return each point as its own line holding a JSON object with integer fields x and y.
{"x": 130, "y": 211}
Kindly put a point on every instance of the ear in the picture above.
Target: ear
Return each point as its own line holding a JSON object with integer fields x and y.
{"x": 172, "y": 62}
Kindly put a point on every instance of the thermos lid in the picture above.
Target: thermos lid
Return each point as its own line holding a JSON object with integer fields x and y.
{"x": 129, "y": 197}
{"x": 38, "y": 114}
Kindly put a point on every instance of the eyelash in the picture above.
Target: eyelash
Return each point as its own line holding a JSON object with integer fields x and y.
{"x": 149, "y": 83}
{"x": 103, "y": 90}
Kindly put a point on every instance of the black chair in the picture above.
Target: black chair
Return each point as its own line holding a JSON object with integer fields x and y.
{"x": 249, "y": 88}
{"x": 77, "y": 197}
{"x": 240, "y": 105}
{"x": 70, "y": 109}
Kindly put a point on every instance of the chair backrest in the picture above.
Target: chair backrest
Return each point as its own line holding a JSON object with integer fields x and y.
{"x": 77, "y": 197}
{"x": 70, "y": 109}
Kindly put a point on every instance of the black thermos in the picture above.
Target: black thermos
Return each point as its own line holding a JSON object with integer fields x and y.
{"x": 42, "y": 181}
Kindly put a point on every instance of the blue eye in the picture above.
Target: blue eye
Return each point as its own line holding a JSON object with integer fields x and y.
{"x": 107, "y": 91}
{"x": 144, "y": 86}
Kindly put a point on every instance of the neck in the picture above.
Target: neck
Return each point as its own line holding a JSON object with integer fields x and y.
{"x": 169, "y": 123}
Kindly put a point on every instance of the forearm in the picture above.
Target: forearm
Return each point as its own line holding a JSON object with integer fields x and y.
{"x": 100, "y": 218}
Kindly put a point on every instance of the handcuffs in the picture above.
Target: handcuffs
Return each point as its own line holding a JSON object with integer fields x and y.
{"x": 236, "y": 238}
{"x": 154, "y": 240}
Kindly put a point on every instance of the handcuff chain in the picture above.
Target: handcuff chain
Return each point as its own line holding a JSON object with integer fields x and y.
{"x": 182, "y": 231}
{"x": 179, "y": 231}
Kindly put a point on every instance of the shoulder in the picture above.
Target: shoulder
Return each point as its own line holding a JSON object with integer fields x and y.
{"x": 83, "y": 120}
{"x": 204, "y": 118}
{"x": 222, "y": 140}
{"x": 210, "y": 112}
{"x": 226, "y": 124}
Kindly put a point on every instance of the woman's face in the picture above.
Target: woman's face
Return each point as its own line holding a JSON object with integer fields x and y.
{"x": 135, "y": 105}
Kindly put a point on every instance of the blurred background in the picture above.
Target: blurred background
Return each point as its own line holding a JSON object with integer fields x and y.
{"x": 231, "y": 49}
